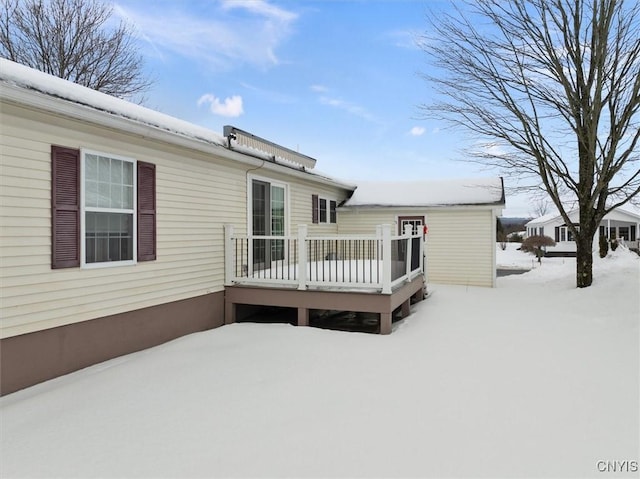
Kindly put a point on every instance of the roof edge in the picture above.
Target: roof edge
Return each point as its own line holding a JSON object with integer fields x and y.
{"x": 22, "y": 95}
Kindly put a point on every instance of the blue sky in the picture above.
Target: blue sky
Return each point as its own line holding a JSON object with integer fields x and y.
{"x": 339, "y": 80}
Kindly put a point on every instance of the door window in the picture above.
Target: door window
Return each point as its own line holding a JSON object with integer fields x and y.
{"x": 268, "y": 218}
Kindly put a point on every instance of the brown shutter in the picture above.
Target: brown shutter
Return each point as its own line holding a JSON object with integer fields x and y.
{"x": 146, "y": 211}
{"x": 314, "y": 209}
{"x": 65, "y": 207}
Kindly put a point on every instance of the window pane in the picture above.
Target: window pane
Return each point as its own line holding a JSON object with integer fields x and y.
{"x": 109, "y": 237}
{"x": 90, "y": 223}
{"x": 116, "y": 172}
{"x": 260, "y": 213}
{"x": 102, "y": 249}
{"x": 127, "y": 197}
{"x": 624, "y": 232}
{"x": 277, "y": 194}
{"x": 104, "y": 195}
{"x": 332, "y": 211}
{"x": 323, "y": 211}
{"x": 116, "y": 196}
{"x": 91, "y": 249}
{"x": 91, "y": 167}
{"x": 127, "y": 176}
{"x": 91, "y": 193}
{"x": 104, "y": 169}
{"x": 277, "y": 210}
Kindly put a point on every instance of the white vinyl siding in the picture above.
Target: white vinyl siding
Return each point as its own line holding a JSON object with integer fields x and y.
{"x": 196, "y": 194}
{"x": 460, "y": 245}
{"x": 195, "y": 197}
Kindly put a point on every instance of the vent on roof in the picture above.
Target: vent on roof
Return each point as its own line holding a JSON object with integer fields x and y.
{"x": 246, "y": 139}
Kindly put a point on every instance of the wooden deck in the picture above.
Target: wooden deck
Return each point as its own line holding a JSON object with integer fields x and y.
{"x": 306, "y": 300}
{"x": 365, "y": 274}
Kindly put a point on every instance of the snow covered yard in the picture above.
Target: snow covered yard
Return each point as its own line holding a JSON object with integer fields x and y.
{"x": 532, "y": 379}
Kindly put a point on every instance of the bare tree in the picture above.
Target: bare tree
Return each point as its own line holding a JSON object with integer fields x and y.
{"x": 540, "y": 207}
{"x": 77, "y": 40}
{"x": 554, "y": 87}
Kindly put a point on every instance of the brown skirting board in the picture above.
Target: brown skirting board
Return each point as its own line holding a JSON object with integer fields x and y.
{"x": 32, "y": 358}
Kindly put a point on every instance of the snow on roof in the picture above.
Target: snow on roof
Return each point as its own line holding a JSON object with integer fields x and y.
{"x": 31, "y": 79}
{"x": 475, "y": 191}
{"x": 26, "y": 77}
{"x": 544, "y": 218}
{"x": 627, "y": 209}
{"x": 631, "y": 209}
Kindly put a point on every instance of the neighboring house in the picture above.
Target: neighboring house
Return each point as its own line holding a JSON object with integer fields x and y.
{"x": 622, "y": 223}
{"x": 460, "y": 216}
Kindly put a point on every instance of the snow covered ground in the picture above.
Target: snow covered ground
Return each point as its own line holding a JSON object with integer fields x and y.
{"x": 532, "y": 379}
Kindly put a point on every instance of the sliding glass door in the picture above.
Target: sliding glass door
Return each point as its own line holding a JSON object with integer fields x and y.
{"x": 268, "y": 216}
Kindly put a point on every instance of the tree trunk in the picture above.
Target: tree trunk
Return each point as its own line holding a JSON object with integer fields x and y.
{"x": 584, "y": 263}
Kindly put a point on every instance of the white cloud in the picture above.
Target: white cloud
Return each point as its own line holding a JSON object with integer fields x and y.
{"x": 350, "y": 108}
{"x": 223, "y": 36}
{"x": 405, "y": 39}
{"x": 270, "y": 95}
{"x": 231, "y": 107}
{"x": 260, "y": 7}
{"x": 417, "y": 131}
{"x": 319, "y": 88}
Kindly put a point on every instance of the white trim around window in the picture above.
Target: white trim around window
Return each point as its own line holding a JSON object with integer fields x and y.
{"x": 330, "y": 210}
{"x": 272, "y": 182}
{"x": 108, "y": 202}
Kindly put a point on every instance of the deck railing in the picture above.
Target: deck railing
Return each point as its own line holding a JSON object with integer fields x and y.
{"x": 369, "y": 262}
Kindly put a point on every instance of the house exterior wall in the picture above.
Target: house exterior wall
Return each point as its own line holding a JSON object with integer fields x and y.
{"x": 459, "y": 247}
{"x": 197, "y": 193}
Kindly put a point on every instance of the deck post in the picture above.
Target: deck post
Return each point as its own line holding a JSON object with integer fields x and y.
{"x": 406, "y": 308}
{"x": 229, "y": 255}
{"x": 408, "y": 232}
{"x": 229, "y": 312}
{"x": 303, "y": 317}
{"x": 385, "y": 323}
{"x": 422, "y": 240}
{"x": 386, "y": 262}
{"x": 302, "y": 257}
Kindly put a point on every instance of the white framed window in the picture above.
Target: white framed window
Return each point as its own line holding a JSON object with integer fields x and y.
{"x": 566, "y": 234}
{"x": 108, "y": 209}
{"x": 327, "y": 210}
